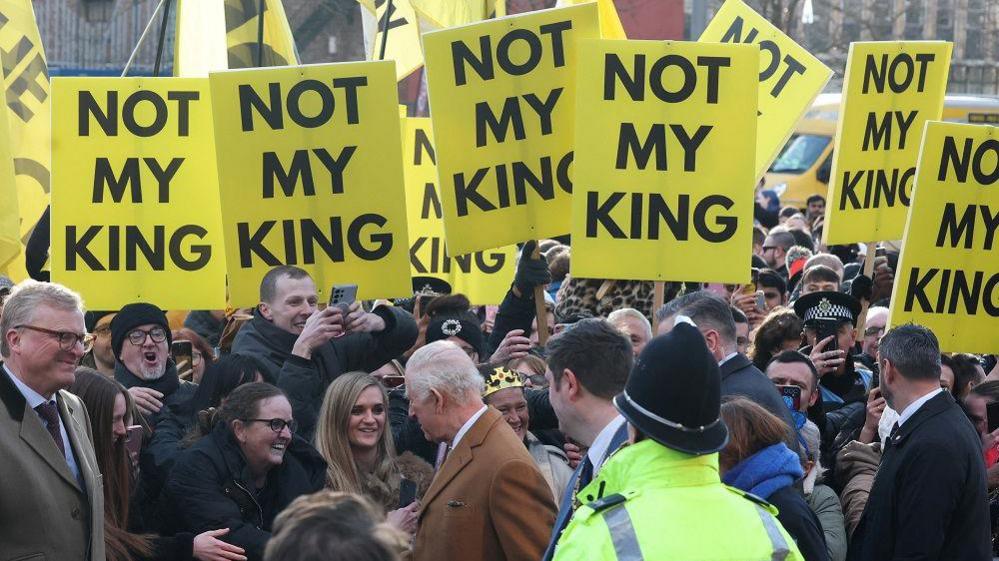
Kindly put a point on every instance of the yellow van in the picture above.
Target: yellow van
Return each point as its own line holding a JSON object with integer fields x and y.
{"x": 803, "y": 166}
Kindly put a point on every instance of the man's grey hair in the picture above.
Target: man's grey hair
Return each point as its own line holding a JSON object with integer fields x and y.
{"x": 875, "y": 310}
{"x": 706, "y": 309}
{"x": 19, "y": 308}
{"x": 913, "y": 350}
{"x": 444, "y": 367}
{"x": 618, "y": 316}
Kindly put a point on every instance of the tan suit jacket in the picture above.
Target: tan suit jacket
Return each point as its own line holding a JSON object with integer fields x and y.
{"x": 44, "y": 514}
{"x": 488, "y": 502}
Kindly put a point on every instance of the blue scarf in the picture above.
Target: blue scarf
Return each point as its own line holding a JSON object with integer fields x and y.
{"x": 766, "y": 471}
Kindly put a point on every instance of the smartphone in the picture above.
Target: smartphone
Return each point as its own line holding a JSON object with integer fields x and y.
{"x": 792, "y": 396}
{"x": 182, "y": 353}
{"x": 761, "y": 302}
{"x": 343, "y": 295}
{"x": 407, "y": 492}
{"x": 133, "y": 439}
{"x": 823, "y": 329}
{"x": 992, "y": 412}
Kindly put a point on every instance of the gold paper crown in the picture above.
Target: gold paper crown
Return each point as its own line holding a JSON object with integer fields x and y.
{"x": 501, "y": 378}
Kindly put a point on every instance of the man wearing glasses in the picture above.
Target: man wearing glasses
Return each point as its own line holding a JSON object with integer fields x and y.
{"x": 140, "y": 340}
{"x": 52, "y": 504}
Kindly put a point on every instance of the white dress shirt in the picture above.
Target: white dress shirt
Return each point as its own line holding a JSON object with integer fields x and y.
{"x": 35, "y": 399}
{"x": 728, "y": 358}
{"x": 909, "y": 411}
{"x": 467, "y": 426}
{"x": 598, "y": 450}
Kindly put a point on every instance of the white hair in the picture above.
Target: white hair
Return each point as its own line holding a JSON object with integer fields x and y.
{"x": 875, "y": 310}
{"x": 444, "y": 367}
{"x": 617, "y": 317}
{"x": 26, "y": 298}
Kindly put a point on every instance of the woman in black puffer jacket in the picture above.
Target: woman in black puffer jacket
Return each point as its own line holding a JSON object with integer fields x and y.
{"x": 247, "y": 470}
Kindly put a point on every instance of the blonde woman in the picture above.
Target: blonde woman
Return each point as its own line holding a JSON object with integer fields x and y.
{"x": 352, "y": 436}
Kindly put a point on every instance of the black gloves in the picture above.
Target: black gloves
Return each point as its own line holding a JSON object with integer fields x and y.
{"x": 531, "y": 272}
{"x": 862, "y": 287}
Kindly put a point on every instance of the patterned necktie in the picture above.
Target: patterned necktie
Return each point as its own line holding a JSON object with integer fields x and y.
{"x": 50, "y": 413}
{"x": 442, "y": 451}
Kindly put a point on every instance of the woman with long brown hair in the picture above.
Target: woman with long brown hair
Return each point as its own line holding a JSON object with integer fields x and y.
{"x": 352, "y": 436}
{"x": 111, "y": 410}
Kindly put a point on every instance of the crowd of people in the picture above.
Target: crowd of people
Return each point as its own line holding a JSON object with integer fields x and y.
{"x": 733, "y": 422}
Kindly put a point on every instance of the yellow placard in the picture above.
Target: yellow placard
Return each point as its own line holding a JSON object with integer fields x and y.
{"x": 790, "y": 77}
{"x": 501, "y": 97}
{"x": 402, "y": 42}
{"x": 948, "y": 271}
{"x": 310, "y": 160}
{"x": 890, "y": 90}
{"x": 214, "y": 35}
{"x": 663, "y": 180}
{"x": 26, "y": 83}
{"x": 10, "y": 239}
{"x": 483, "y": 276}
{"x": 610, "y": 22}
{"x": 135, "y": 207}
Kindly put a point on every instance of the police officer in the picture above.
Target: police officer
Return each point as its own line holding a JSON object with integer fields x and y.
{"x": 660, "y": 497}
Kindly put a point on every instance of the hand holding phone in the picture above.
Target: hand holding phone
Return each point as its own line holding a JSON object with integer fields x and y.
{"x": 342, "y": 296}
{"x": 792, "y": 396}
{"x": 133, "y": 439}
{"x": 182, "y": 353}
{"x": 407, "y": 492}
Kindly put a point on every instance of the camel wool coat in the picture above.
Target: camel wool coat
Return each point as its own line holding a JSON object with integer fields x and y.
{"x": 488, "y": 502}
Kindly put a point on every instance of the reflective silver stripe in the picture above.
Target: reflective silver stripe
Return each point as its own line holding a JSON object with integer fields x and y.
{"x": 780, "y": 549}
{"x": 623, "y": 534}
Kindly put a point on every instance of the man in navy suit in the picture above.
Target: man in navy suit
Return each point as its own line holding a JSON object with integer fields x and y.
{"x": 587, "y": 366}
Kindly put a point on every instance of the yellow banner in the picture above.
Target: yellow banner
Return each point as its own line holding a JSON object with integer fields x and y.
{"x": 216, "y": 35}
{"x": 610, "y": 22}
{"x": 948, "y": 271}
{"x": 789, "y": 81}
{"x": 134, "y": 202}
{"x": 10, "y": 238}
{"x": 890, "y": 90}
{"x": 502, "y": 99}
{"x": 663, "y": 186}
{"x": 310, "y": 159}
{"x": 402, "y": 41}
{"x": 451, "y": 13}
{"x": 26, "y": 83}
{"x": 483, "y": 276}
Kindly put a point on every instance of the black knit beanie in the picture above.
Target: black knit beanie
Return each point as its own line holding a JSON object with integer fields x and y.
{"x": 132, "y": 316}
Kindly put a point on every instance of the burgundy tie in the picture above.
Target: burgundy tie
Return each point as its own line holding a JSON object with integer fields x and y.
{"x": 50, "y": 413}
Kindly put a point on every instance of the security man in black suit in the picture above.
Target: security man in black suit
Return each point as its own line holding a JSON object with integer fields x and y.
{"x": 928, "y": 500}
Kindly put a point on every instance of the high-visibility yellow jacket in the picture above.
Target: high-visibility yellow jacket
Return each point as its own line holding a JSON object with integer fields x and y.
{"x": 649, "y": 502}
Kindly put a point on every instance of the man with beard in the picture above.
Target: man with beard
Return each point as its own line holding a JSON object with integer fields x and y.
{"x": 140, "y": 339}
{"x": 100, "y": 357}
{"x": 303, "y": 349}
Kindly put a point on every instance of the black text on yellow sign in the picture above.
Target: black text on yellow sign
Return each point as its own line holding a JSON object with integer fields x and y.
{"x": 311, "y": 176}
{"x": 135, "y": 209}
{"x": 484, "y": 276}
{"x": 948, "y": 274}
{"x": 504, "y": 94}
{"x": 670, "y": 196}
{"x": 789, "y": 76}
{"x": 891, "y": 90}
